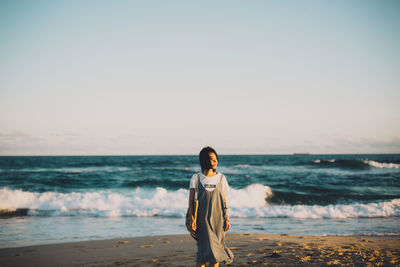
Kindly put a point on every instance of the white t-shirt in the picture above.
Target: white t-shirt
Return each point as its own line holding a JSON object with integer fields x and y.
{"x": 211, "y": 182}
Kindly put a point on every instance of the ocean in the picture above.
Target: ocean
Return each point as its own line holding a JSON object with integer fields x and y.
{"x": 76, "y": 198}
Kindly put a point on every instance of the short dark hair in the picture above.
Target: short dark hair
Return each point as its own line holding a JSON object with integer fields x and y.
{"x": 204, "y": 157}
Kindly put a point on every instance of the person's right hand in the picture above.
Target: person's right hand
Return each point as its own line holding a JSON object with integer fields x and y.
{"x": 194, "y": 225}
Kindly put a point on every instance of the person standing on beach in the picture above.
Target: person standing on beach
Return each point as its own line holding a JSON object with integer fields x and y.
{"x": 209, "y": 188}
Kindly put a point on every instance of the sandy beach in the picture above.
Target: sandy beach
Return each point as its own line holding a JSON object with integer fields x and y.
{"x": 179, "y": 250}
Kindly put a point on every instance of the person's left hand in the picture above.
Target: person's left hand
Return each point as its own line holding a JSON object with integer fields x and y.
{"x": 227, "y": 225}
{"x": 194, "y": 225}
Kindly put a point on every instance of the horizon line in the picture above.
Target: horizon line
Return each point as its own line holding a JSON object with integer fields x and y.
{"x": 223, "y": 154}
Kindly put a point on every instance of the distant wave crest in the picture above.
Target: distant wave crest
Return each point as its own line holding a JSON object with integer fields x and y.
{"x": 354, "y": 164}
{"x": 382, "y": 165}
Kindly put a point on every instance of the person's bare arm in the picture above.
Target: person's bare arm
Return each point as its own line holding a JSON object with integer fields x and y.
{"x": 191, "y": 210}
{"x": 227, "y": 224}
{"x": 191, "y": 200}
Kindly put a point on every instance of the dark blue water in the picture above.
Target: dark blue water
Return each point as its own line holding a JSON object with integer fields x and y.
{"x": 309, "y": 179}
{"x": 317, "y": 189}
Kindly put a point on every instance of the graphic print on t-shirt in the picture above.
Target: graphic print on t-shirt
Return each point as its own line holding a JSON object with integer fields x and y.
{"x": 208, "y": 182}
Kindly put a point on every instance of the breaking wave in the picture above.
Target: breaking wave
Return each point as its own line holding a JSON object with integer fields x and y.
{"x": 251, "y": 202}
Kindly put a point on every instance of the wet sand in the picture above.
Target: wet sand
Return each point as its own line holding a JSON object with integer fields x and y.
{"x": 179, "y": 250}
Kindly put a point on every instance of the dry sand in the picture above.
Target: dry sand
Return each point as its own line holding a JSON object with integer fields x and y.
{"x": 179, "y": 250}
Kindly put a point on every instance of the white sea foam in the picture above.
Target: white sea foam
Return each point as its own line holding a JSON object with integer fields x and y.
{"x": 328, "y": 160}
{"x": 246, "y": 202}
{"x": 243, "y": 166}
{"x": 253, "y": 196}
{"x": 339, "y": 211}
{"x": 382, "y": 165}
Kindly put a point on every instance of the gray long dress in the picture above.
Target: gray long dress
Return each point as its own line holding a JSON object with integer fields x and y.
{"x": 211, "y": 245}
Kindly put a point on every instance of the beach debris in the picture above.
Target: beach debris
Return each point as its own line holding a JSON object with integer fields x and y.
{"x": 306, "y": 258}
{"x": 7, "y": 213}
{"x": 17, "y": 254}
{"x": 146, "y": 246}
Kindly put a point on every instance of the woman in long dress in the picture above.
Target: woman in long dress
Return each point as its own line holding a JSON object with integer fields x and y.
{"x": 209, "y": 188}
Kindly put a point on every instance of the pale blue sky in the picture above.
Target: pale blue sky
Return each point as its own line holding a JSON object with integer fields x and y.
{"x": 169, "y": 77}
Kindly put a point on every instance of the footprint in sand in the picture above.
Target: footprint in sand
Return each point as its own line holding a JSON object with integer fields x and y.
{"x": 146, "y": 246}
{"x": 367, "y": 241}
{"x": 274, "y": 255}
{"x": 307, "y": 246}
{"x": 245, "y": 234}
{"x": 120, "y": 243}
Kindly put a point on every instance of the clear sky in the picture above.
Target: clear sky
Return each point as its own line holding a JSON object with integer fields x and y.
{"x": 169, "y": 77}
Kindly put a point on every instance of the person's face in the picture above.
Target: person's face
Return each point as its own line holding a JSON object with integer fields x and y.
{"x": 213, "y": 161}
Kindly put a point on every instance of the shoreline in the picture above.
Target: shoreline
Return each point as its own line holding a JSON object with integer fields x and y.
{"x": 372, "y": 236}
{"x": 179, "y": 250}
